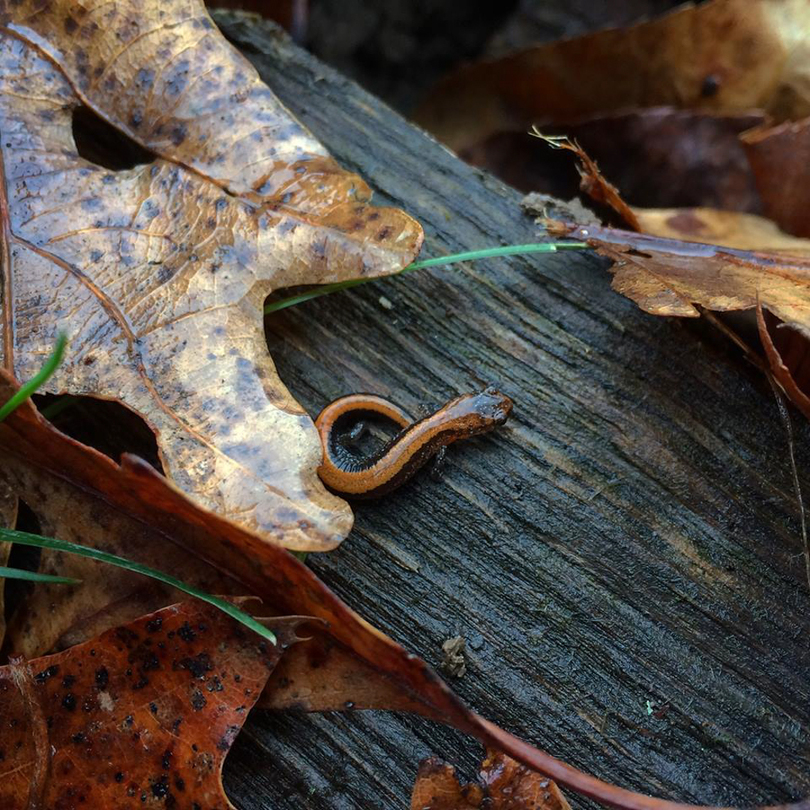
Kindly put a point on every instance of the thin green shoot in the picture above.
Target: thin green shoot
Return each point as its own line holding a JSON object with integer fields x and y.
{"x": 26, "y": 539}
{"x": 453, "y": 258}
{"x": 38, "y": 380}
{"x": 35, "y": 576}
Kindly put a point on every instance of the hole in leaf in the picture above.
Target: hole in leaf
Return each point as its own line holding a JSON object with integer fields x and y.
{"x": 109, "y": 427}
{"x": 101, "y": 143}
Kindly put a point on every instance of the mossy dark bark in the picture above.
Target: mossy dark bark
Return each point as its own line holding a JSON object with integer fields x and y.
{"x": 623, "y": 557}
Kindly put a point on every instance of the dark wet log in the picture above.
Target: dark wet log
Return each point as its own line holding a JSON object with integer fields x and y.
{"x": 623, "y": 557}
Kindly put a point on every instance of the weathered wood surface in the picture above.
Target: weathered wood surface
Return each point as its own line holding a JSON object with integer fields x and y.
{"x": 627, "y": 544}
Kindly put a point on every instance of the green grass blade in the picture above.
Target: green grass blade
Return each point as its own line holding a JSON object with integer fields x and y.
{"x": 496, "y": 252}
{"x": 453, "y": 258}
{"x": 44, "y": 374}
{"x": 26, "y": 539}
{"x": 35, "y": 576}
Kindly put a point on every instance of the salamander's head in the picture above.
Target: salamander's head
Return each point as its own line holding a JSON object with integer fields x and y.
{"x": 493, "y": 405}
{"x": 478, "y": 413}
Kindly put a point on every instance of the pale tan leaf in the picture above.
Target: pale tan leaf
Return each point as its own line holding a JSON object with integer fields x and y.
{"x": 159, "y": 272}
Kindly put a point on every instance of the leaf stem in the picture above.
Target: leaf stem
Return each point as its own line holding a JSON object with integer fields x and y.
{"x": 453, "y": 258}
{"x": 38, "y": 380}
{"x": 26, "y": 539}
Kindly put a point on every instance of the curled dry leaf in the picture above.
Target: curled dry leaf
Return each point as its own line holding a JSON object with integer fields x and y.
{"x": 732, "y": 229}
{"x": 503, "y": 784}
{"x": 142, "y": 716}
{"x": 591, "y": 181}
{"x": 743, "y": 269}
{"x": 780, "y": 159}
{"x": 159, "y": 272}
{"x": 726, "y": 56}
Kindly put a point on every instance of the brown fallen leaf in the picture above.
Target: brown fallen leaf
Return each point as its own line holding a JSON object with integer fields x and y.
{"x": 503, "y": 784}
{"x": 658, "y": 157}
{"x": 725, "y": 56}
{"x": 142, "y": 716}
{"x": 673, "y": 277}
{"x": 80, "y": 494}
{"x": 779, "y": 157}
{"x": 158, "y": 272}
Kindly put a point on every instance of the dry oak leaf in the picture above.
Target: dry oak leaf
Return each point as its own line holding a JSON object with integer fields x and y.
{"x": 159, "y": 272}
{"x": 141, "y": 717}
{"x": 725, "y": 56}
{"x": 503, "y": 784}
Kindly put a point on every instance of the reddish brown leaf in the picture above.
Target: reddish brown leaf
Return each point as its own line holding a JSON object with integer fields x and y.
{"x": 735, "y": 279}
{"x": 503, "y": 784}
{"x": 706, "y": 225}
{"x": 158, "y": 272}
{"x": 726, "y": 56}
{"x": 780, "y": 159}
{"x": 140, "y": 717}
{"x": 670, "y": 277}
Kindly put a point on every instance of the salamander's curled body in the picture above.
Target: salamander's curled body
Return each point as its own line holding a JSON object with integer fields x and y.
{"x": 348, "y": 474}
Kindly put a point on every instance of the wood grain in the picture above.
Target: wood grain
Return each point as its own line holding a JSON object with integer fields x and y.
{"x": 623, "y": 557}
